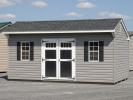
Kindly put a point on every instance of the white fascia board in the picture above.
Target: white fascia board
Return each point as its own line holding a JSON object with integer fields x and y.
{"x": 48, "y": 32}
{"x": 123, "y": 24}
{"x": 5, "y": 26}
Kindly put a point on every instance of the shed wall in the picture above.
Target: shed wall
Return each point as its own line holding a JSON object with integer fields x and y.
{"x": 85, "y": 71}
{"x": 131, "y": 53}
{"x": 3, "y": 53}
{"x": 121, "y": 54}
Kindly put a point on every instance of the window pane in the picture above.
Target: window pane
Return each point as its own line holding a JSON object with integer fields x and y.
{"x": 27, "y": 44}
{"x": 23, "y": 53}
{"x": 95, "y": 58}
{"x": 50, "y": 54}
{"x": 66, "y": 54}
{"x": 66, "y": 69}
{"x": 50, "y": 68}
{"x": 50, "y": 45}
{"x": 95, "y": 54}
{"x": 27, "y": 57}
{"x": 91, "y": 43}
{"x": 23, "y": 48}
{"x": 91, "y": 55}
{"x": 96, "y": 48}
{"x": 91, "y": 48}
{"x": 27, "y": 48}
{"x": 95, "y": 43}
{"x": 27, "y": 53}
{"x": 23, "y": 57}
{"x": 66, "y": 45}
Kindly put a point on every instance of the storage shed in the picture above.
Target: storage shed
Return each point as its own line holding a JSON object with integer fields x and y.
{"x": 3, "y": 49}
{"x": 69, "y": 50}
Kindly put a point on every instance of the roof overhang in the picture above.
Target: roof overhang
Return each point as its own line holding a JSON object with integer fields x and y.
{"x": 51, "y": 32}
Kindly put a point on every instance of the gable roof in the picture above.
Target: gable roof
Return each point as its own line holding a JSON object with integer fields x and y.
{"x": 2, "y": 25}
{"x": 66, "y": 25}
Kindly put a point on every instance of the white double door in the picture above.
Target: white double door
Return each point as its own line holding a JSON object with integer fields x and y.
{"x": 58, "y": 58}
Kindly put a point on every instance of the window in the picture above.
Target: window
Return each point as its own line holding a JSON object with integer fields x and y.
{"x": 94, "y": 51}
{"x": 25, "y": 51}
{"x": 66, "y": 45}
{"x": 50, "y": 45}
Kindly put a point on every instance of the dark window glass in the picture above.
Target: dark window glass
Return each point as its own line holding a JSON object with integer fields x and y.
{"x": 66, "y": 69}
{"x": 66, "y": 45}
{"x": 91, "y": 43}
{"x": 50, "y": 68}
{"x": 95, "y": 43}
{"x": 50, "y": 45}
{"x": 66, "y": 54}
{"x": 50, "y": 54}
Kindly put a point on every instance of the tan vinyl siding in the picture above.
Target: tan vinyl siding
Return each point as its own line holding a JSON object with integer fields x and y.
{"x": 85, "y": 71}
{"x": 131, "y": 53}
{"x": 3, "y": 53}
{"x": 121, "y": 54}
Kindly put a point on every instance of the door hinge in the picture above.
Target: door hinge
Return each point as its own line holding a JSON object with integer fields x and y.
{"x": 43, "y": 59}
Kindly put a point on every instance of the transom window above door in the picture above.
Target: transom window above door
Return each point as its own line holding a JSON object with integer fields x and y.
{"x": 50, "y": 45}
{"x": 66, "y": 45}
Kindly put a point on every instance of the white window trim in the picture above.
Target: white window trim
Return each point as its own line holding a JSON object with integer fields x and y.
{"x": 21, "y": 50}
{"x": 93, "y": 51}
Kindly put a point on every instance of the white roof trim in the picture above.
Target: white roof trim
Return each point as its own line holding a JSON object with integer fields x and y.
{"x": 47, "y": 32}
{"x": 123, "y": 24}
{"x": 5, "y": 26}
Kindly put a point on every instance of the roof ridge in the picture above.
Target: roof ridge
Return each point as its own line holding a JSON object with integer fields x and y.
{"x": 69, "y": 20}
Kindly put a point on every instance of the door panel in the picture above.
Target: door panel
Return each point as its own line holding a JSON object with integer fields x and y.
{"x": 50, "y": 54}
{"x": 50, "y": 68}
{"x": 65, "y": 54}
{"x": 66, "y": 69}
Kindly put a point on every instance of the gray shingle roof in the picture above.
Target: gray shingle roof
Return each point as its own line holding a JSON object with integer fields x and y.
{"x": 4, "y": 24}
{"x": 66, "y": 25}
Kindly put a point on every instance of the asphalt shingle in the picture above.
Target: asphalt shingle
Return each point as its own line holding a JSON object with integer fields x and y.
{"x": 66, "y": 25}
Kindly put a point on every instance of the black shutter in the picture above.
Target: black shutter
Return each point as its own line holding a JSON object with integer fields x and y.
{"x": 31, "y": 51}
{"x": 101, "y": 51}
{"x": 18, "y": 51}
{"x": 86, "y": 51}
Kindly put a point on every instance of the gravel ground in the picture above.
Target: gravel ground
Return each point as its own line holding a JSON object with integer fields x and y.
{"x": 22, "y": 90}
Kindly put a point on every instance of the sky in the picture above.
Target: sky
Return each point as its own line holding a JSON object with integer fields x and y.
{"x": 43, "y": 10}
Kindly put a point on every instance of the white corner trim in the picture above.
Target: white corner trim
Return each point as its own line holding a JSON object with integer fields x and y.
{"x": 123, "y": 24}
{"x": 48, "y": 32}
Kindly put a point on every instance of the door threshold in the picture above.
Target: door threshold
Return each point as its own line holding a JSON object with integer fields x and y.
{"x": 59, "y": 79}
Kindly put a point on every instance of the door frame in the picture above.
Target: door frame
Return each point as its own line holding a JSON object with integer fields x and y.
{"x": 57, "y": 55}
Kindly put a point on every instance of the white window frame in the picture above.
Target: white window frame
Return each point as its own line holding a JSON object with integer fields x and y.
{"x": 93, "y": 51}
{"x": 21, "y": 50}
